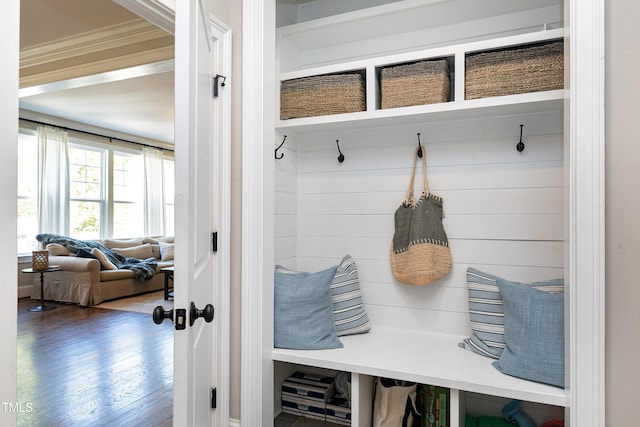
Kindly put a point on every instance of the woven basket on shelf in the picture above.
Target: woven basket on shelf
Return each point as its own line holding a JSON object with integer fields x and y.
{"x": 424, "y": 82}
{"x": 517, "y": 70}
{"x": 322, "y": 95}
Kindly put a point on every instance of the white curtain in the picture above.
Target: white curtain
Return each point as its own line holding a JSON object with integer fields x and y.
{"x": 153, "y": 192}
{"x": 53, "y": 181}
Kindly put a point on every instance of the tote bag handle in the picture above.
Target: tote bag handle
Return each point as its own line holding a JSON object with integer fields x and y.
{"x": 409, "y": 198}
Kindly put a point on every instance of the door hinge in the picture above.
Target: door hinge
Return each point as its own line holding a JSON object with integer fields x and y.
{"x": 214, "y": 398}
{"x": 214, "y": 241}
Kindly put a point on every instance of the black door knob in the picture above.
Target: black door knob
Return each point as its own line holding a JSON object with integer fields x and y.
{"x": 206, "y": 313}
{"x": 159, "y": 314}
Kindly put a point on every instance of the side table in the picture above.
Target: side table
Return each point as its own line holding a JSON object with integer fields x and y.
{"x": 42, "y": 306}
{"x": 168, "y": 275}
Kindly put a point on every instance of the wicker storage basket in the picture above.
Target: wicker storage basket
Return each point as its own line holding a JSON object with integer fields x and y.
{"x": 322, "y": 95}
{"x": 424, "y": 82}
{"x": 39, "y": 260}
{"x": 512, "y": 71}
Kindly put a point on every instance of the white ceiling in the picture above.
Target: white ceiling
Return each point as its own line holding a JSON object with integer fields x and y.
{"x": 140, "y": 106}
{"x": 136, "y": 101}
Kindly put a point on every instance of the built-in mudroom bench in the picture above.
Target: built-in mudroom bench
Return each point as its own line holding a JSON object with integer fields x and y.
{"x": 344, "y": 137}
{"x": 424, "y": 358}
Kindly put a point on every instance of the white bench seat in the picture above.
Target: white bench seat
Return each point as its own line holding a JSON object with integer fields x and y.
{"x": 424, "y": 358}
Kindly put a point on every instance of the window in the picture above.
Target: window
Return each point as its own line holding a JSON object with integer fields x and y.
{"x": 169, "y": 202}
{"x": 128, "y": 195}
{"x": 106, "y": 190}
{"x": 27, "y": 192}
{"x": 87, "y": 192}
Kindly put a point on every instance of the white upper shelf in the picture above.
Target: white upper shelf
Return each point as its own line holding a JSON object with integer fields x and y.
{"x": 409, "y": 25}
{"x": 457, "y": 109}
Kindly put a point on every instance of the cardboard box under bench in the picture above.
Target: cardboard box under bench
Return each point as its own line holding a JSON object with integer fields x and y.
{"x": 312, "y": 396}
{"x": 339, "y": 411}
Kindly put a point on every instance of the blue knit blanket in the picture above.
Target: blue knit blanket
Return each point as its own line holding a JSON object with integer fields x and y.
{"x": 143, "y": 269}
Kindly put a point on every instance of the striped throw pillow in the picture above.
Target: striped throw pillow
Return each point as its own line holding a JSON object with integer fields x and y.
{"x": 486, "y": 311}
{"x": 349, "y": 314}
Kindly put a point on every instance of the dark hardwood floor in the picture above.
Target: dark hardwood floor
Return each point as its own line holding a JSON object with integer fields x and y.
{"x": 93, "y": 367}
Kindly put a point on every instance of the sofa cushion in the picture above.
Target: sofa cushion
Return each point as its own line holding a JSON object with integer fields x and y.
{"x": 57, "y": 250}
{"x": 166, "y": 251}
{"x": 155, "y": 249}
{"x": 164, "y": 264}
{"x": 87, "y": 254}
{"x": 121, "y": 243}
{"x": 139, "y": 252}
{"x": 108, "y": 275}
{"x": 104, "y": 261}
{"x": 156, "y": 240}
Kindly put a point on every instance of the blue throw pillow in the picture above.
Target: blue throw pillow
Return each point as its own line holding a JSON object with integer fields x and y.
{"x": 486, "y": 313}
{"x": 534, "y": 334}
{"x": 303, "y": 310}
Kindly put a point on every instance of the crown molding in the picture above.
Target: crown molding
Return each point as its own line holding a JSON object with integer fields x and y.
{"x": 108, "y": 38}
{"x": 160, "y": 12}
{"x": 96, "y": 67}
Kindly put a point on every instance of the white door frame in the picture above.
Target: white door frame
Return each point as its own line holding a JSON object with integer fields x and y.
{"x": 585, "y": 258}
{"x": 258, "y": 116}
{"x": 10, "y": 51}
{"x": 222, "y": 65}
{"x": 585, "y": 211}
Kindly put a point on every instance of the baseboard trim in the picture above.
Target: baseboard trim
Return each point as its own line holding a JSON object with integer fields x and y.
{"x": 24, "y": 291}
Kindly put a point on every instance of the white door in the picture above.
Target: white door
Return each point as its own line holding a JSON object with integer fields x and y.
{"x": 201, "y": 203}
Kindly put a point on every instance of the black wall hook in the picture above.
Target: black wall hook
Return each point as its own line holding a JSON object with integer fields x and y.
{"x": 216, "y": 81}
{"x": 341, "y": 156}
{"x": 419, "y": 146}
{"x": 520, "y": 145}
{"x": 276, "y": 152}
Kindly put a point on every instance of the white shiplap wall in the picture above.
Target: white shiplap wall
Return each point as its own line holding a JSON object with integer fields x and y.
{"x": 286, "y": 205}
{"x": 503, "y": 209}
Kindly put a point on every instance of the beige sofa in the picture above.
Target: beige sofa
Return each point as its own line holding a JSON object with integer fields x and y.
{"x": 86, "y": 282}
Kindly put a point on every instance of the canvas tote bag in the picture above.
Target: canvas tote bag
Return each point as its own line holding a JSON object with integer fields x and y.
{"x": 394, "y": 403}
{"x": 420, "y": 251}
